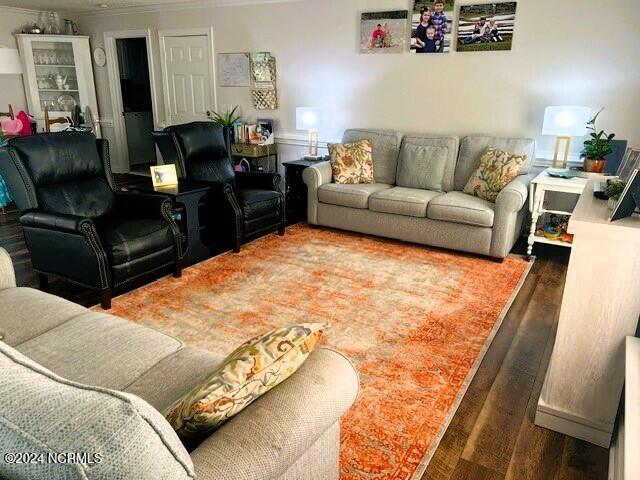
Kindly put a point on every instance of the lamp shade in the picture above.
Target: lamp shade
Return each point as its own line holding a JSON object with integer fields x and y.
{"x": 566, "y": 121}
{"x": 308, "y": 118}
{"x": 10, "y": 63}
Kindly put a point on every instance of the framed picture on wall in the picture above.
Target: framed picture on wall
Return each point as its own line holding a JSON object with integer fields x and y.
{"x": 431, "y": 26}
{"x": 486, "y": 27}
{"x": 383, "y": 32}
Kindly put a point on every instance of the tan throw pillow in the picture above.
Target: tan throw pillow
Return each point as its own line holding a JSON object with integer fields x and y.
{"x": 251, "y": 370}
{"x": 497, "y": 169}
{"x": 352, "y": 162}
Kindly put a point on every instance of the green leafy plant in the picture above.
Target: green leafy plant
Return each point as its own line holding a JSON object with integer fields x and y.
{"x": 226, "y": 119}
{"x": 614, "y": 189}
{"x": 599, "y": 145}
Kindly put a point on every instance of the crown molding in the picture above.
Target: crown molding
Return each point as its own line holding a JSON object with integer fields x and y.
{"x": 20, "y": 10}
{"x": 172, "y": 6}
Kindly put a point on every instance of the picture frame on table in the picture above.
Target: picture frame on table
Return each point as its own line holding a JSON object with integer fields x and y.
{"x": 164, "y": 175}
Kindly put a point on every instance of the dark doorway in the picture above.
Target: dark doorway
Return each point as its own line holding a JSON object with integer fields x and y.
{"x": 135, "y": 86}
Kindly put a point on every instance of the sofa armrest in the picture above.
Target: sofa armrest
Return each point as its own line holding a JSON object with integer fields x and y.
{"x": 510, "y": 211}
{"x": 7, "y": 273}
{"x": 314, "y": 177}
{"x": 267, "y": 437}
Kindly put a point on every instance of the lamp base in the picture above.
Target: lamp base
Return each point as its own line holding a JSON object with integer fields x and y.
{"x": 565, "y": 161}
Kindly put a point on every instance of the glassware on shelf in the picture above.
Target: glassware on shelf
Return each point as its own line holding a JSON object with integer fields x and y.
{"x": 52, "y": 26}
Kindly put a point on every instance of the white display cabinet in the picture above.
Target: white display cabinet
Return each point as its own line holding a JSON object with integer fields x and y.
{"x": 58, "y": 75}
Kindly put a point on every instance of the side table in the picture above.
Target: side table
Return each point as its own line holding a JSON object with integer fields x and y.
{"x": 540, "y": 185}
{"x": 255, "y": 152}
{"x": 188, "y": 199}
{"x": 296, "y": 190}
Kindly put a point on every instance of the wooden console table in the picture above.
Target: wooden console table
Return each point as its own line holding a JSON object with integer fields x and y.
{"x": 600, "y": 307}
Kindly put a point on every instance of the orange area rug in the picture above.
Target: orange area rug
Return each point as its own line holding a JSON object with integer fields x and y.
{"x": 416, "y": 322}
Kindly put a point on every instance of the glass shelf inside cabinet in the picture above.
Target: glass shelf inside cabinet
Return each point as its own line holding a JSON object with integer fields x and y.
{"x": 56, "y": 75}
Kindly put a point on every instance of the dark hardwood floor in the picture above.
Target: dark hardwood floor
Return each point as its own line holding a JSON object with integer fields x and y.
{"x": 492, "y": 435}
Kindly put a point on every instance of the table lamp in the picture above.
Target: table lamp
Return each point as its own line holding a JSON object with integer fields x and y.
{"x": 309, "y": 118}
{"x": 10, "y": 63}
{"x": 565, "y": 123}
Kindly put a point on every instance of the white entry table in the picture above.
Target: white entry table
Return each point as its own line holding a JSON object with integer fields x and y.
{"x": 600, "y": 307}
{"x": 540, "y": 185}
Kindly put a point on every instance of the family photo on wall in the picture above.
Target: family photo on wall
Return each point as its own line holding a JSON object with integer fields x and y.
{"x": 431, "y": 26}
{"x": 486, "y": 27}
{"x": 384, "y": 32}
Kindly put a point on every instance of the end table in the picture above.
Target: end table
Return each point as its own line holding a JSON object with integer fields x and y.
{"x": 296, "y": 189}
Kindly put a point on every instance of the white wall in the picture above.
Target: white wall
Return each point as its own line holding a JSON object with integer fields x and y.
{"x": 12, "y": 20}
{"x": 564, "y": 52}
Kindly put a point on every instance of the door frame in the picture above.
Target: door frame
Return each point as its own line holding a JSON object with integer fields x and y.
{"x": 186, "y": 32}
{"x": 113, "y": 71}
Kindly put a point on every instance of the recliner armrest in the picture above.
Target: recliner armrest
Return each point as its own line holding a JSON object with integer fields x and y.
{"x": 258, "y": 181}
{"x": 55, "y": 221}
{"x": 142, "y": 205}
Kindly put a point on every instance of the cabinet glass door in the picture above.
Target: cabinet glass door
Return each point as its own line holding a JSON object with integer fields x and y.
{"x": 56, "y": 75}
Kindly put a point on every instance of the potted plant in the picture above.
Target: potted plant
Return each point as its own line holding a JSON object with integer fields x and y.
{"x": 613, "y": 191}
{"x": 596, "y": 148}
{"x": 226, "y": 121}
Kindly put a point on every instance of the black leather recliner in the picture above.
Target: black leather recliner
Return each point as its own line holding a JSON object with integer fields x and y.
{"x": 253, "y": 203}
{"x": 76, "y": 225}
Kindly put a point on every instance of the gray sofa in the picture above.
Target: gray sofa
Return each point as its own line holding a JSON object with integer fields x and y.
{"x": 52, "y": 350}
{"x": 417, "y": 195}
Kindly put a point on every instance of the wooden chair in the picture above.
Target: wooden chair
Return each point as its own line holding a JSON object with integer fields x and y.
{"x": 52, "y": 121}
{"x": 9, "y": 113}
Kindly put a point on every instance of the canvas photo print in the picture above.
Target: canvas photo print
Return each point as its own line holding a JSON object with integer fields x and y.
{"x": 383, "y": 32}
{"x": 486, "y": 27}
{"x": 431, "y": 26}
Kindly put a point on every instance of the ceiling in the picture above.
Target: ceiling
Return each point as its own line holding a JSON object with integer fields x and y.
{"x": 95, "y": 5}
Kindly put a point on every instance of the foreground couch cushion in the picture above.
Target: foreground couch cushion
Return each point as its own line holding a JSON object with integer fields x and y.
{"x": 402, "y": 201}
{"x": 385, "y": 147}
{"x": 458, "y": 207}
{"x": 100, "y": 349}
{"x": 354, "y": 196}
{"x": 422, "y": 166}
{"x": 121, "y": 435}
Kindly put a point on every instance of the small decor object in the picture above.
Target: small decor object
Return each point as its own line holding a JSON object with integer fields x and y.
{"x": 52, "y": 26}
{"x": 629, "y": 201}
{"x": 233, "y": 70}
{"x": 565, "y": 123}
{"x": 263, "y": 76}
{"x": 265, "y": 130}
{"x": 309, "y": 119}
{"x": 597, "y": 147}
{"x": 265, "y": 99}
{"x": 383, "y": 32}
{"x": 630, "y": 162}
{"x": 431, "y": 26}
{"x": 70, "y": 27}
{"x": 496, "y": 170}
{"x": 352, "y": 163}
{"x": 560, "y": 172}
{"x": 486, "y": 27}
{"x": 99, "y": 57}
{"x": 164, "y": 175}
{"x": 249, "y": 372}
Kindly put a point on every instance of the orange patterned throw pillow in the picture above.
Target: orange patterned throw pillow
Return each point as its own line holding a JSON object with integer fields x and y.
{"x": 497, "y": 169}
{"x": 352, "y": 162}
{"x": 250, "y": 371}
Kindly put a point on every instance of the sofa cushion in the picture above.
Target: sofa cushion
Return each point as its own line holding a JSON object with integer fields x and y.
{"x": 458, "y": 207}
{"x": 174, "y": 376}
{"x": 402, "y": 201}
{"x": 254, "y": 368}
{"x": 122, "y": 435}
{"x": 496, "y": 170}
{"x": 125, "y": 240}
{"x": 472, "y": 148}
{"x": 351, "y": 162}
{"x": 451, "y": 143}
{"x": 100, "y": 349}
{"x": 26, "y": 313}
{"x": 421, "y": 166}
{"x": 385, "y": 146}
{"x": 354, "y": 196}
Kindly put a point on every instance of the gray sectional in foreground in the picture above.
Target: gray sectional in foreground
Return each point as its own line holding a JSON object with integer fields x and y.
{"x": 418, "y": 194}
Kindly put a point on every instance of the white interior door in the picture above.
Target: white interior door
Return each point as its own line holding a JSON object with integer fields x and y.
{"x": 189, "y": 78}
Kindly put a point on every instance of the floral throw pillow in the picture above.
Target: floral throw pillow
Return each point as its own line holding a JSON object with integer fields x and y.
{"x": 497, "y": 169}
{"x": 251, "y": 370}
{"x": 352, "y": 162}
